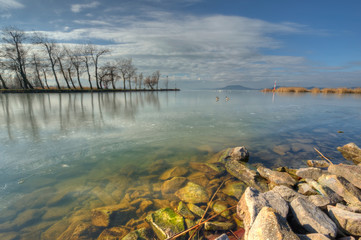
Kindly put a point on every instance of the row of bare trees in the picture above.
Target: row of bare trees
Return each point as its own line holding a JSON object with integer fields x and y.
{"x": 31, "y": 61}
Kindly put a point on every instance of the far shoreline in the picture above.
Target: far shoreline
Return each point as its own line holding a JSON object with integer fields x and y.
{"x": 314, "y": 90}
{"x": 66, "y": 90}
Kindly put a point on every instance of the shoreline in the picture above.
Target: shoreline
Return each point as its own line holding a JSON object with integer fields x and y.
{"x": 84, "y": 90}
{"x": 314, "y": 90}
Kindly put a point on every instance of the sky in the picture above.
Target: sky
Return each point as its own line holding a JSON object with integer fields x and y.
{"x": 211, "y": 43}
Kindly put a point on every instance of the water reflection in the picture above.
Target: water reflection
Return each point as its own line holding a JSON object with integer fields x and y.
{"x": 33, "y": 113}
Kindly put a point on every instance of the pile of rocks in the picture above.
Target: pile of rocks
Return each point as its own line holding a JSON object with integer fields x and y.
{"x": 321, "y": 201}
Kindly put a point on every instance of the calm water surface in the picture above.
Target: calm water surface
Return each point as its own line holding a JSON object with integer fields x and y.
{"x": 61, "y": 152}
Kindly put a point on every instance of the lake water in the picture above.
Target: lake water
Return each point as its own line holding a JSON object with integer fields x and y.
{"x": 60, "y": 153}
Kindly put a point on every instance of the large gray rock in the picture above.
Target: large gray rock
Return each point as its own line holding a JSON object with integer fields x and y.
{"x": 351, "y": 152}
{"x": 312, "y": 218}
{"x": 287, "y": 193}
{"x": 253, "y": 201}
{"x": 306, "y": 189}
{"x": 278, "y": 178}
{"x": 193, "y": 193}
{"x": 349, "y": 222}
{"x": 342, "y": 187}
{"x": 240, "y": 154}
{"x": 311, "y": 172}
{"x": 319, "y": 201}
{"x": 270, "y": 225}
{"x": 351, "y": 173}
{"x": 166, "y": 223}
{"x": 325, "y": 191}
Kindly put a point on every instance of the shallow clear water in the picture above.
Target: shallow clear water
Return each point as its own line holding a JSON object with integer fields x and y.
{"x": 71, "y": 143}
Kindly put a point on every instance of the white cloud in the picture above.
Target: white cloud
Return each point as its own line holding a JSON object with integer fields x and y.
{"x": 79, "y": 7}
{"x": 10, "y": 4}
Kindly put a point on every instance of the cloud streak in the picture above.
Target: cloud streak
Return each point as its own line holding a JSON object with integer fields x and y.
{"x": 10, "y": 4}
{"x": 76, "y": 8}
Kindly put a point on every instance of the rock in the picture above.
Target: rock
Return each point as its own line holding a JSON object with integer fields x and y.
{"x": 234, "y": 189}
{"x": 219, "y": 226}
{"x": 139, "y": 234}
{"x": 351, "y": 208}
{"x": 166, "y": 223}
{"x": 346, "y": 238}
{"x": 325, "y": 191}
{"x": 172, "y": 185}
{"x": 114, "y": 233}
{"x": 319, "y": 201}
{"x": 306, "y": 189}
{"x": 174, "y": 172}
{"x": 311, "y": 172}
{"x": 80, "y": 230}
{"x": 351, "y": 173}
{"x": 199, "y": 178}
{"x": 312, "y": 218}
{"x": 195, "y": 209}
{"x": 145, "y": 205}
{"x": 281, "y": 149}
{"x": 349, "y": 222}
{"x": 342, "y": 187}
{"x": 192, "y": 193}
{"x": 220, "y": 207}
{"x": 112, "y": 215}
{"x": 270, "y": 225}
{"x": 314, "y": 236}
{"x": 240, "y": 154}
{"x": 246, "y": 175}
{"x": 318, "y": 163}
{"x": 287, "y": 193}
{"x": 279, "y": 178}
{"x": 351, "y": 152}
{"x": 184, "y": 211}
{"x": 253, "y": 201}
{"x": 212, "y": 169}
{"x": 222, "y": 237}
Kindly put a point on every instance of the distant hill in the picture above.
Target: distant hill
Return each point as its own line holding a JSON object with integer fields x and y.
{"x": 235, "y": 87}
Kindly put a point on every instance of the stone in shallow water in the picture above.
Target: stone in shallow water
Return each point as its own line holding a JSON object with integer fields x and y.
{"x": 318, "y": 163}
{"x": 220, "y": 207}
{"x": 174, "y": 172}
{"x": 192, "y": 193}
{"x": 279, "y": 178}
{"x": 172, "y": 185}
{"x": 282, "y": 149}
{"x": 240, "y": 154}
{"x": 312, "y": 218}
{"x": 112, "y": 215}
{"x": 311, "y": 172}
{"x": 219, "y": 226}
{"x": 196, "y": 210}
{"x": 351, "y": 152}
{"x": 212, "y": 169}
{"x": 234, "y": 188}
{"x": 166, "y": 223}
{"x": 114, "y": 233}
{"x": 139, "y": 234}
{"x": 199, "y": 178}
{"x": 325, "y": 191}
{"x": 183, "y": 210}
{"x": 270, "y": 225}
{"x": 351, "y": 173}
{"x": 349, "y": 222}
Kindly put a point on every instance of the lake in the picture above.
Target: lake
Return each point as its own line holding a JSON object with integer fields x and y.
{"x": 62, "y": 154}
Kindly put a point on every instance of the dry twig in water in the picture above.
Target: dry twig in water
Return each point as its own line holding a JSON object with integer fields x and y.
{"x": 323, "y": 156}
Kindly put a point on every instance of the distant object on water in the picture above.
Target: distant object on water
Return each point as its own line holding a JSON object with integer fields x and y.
{"x": 217, "y": 99}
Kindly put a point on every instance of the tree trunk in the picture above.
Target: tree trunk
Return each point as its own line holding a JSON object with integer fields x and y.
{"x": 89, "y": 77}
{"x": 3, "y": 82}
{"x": 64, "y": 75}
{"x": 71, "y": 79}
{"x": 46, "y": 79}
{"x": 78, "y": 76}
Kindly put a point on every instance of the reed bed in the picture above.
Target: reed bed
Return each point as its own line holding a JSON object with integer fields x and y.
{"x": 341, "y": 90}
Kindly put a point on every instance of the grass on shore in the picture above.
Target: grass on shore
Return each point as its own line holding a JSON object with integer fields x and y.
{"x": 314, "y": 90}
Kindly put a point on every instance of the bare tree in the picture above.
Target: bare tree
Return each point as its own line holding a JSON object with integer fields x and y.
{"x": 16, "y": 53}
{"x": 127, "y": 70}
{"x": 51, "y": 50}
{"x": 61, "y": 57}
{"x": 155, "y": 78}
{"x": 95, "y": 54}
{"x": 87, "y": 62}
{"x": 76, "y": 59}
{"x": 148, "y": 82}
{"x": 140, "y": 80}
{"x": 109, "y": 74}
{"x": 36, "y": 64}
{"x": 2, "y": 69}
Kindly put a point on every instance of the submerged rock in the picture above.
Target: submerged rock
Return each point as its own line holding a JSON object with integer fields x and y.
{"x": 219, "y": 226}
{"x": 312, "y": 218}
{"x": 212, "y": 169}
{"x": 114, "y": 233}
{"x": 351, "y": 152}
{"x": 112, "y": 215}
{"x": 234, "y": 188}
{"x": 184, "y": 211}
{"x": 172, "y": 185}
{"x": 192, "y": 193}
{"x": 351, "y": 173}
{"x": 240, "y": 154}
{"x": 349, "y": 222}
{"x": 174, "y": 172}
{"x": 166, "y": 223}
{"x": 279, "y": 178}
{"x": 196, "y": 210}
{"x": 221, "y": 207}
{"x": 311, "y": 173}
{"x": 318, "y": 163}
{"x": 270, "y": 225}
{"x": 139, "y": 234}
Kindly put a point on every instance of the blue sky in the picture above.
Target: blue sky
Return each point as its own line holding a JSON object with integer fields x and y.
{"x": 211, "y": 43}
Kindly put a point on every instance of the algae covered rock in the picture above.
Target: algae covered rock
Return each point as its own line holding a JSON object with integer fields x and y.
{"x": 174, "y": 172}
{"x": 221, "y": 207}
{"x": 112, "y": 215}
{"x": 351, "y": 152}
{"x": 192, "y": 193}
{"x": 183, "y": 210}
{"x": 166, "y": 223}
{"x": 212, "y": 169}
{"x": 139, "y": 234}
{"x": 195, "y": 209}
{"x": 234, "y": 188}
{"x": 114, "y": 233}
{"x": 172, "y": 185}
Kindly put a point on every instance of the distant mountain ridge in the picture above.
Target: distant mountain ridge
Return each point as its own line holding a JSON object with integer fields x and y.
{"x": 235, "y": 87}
